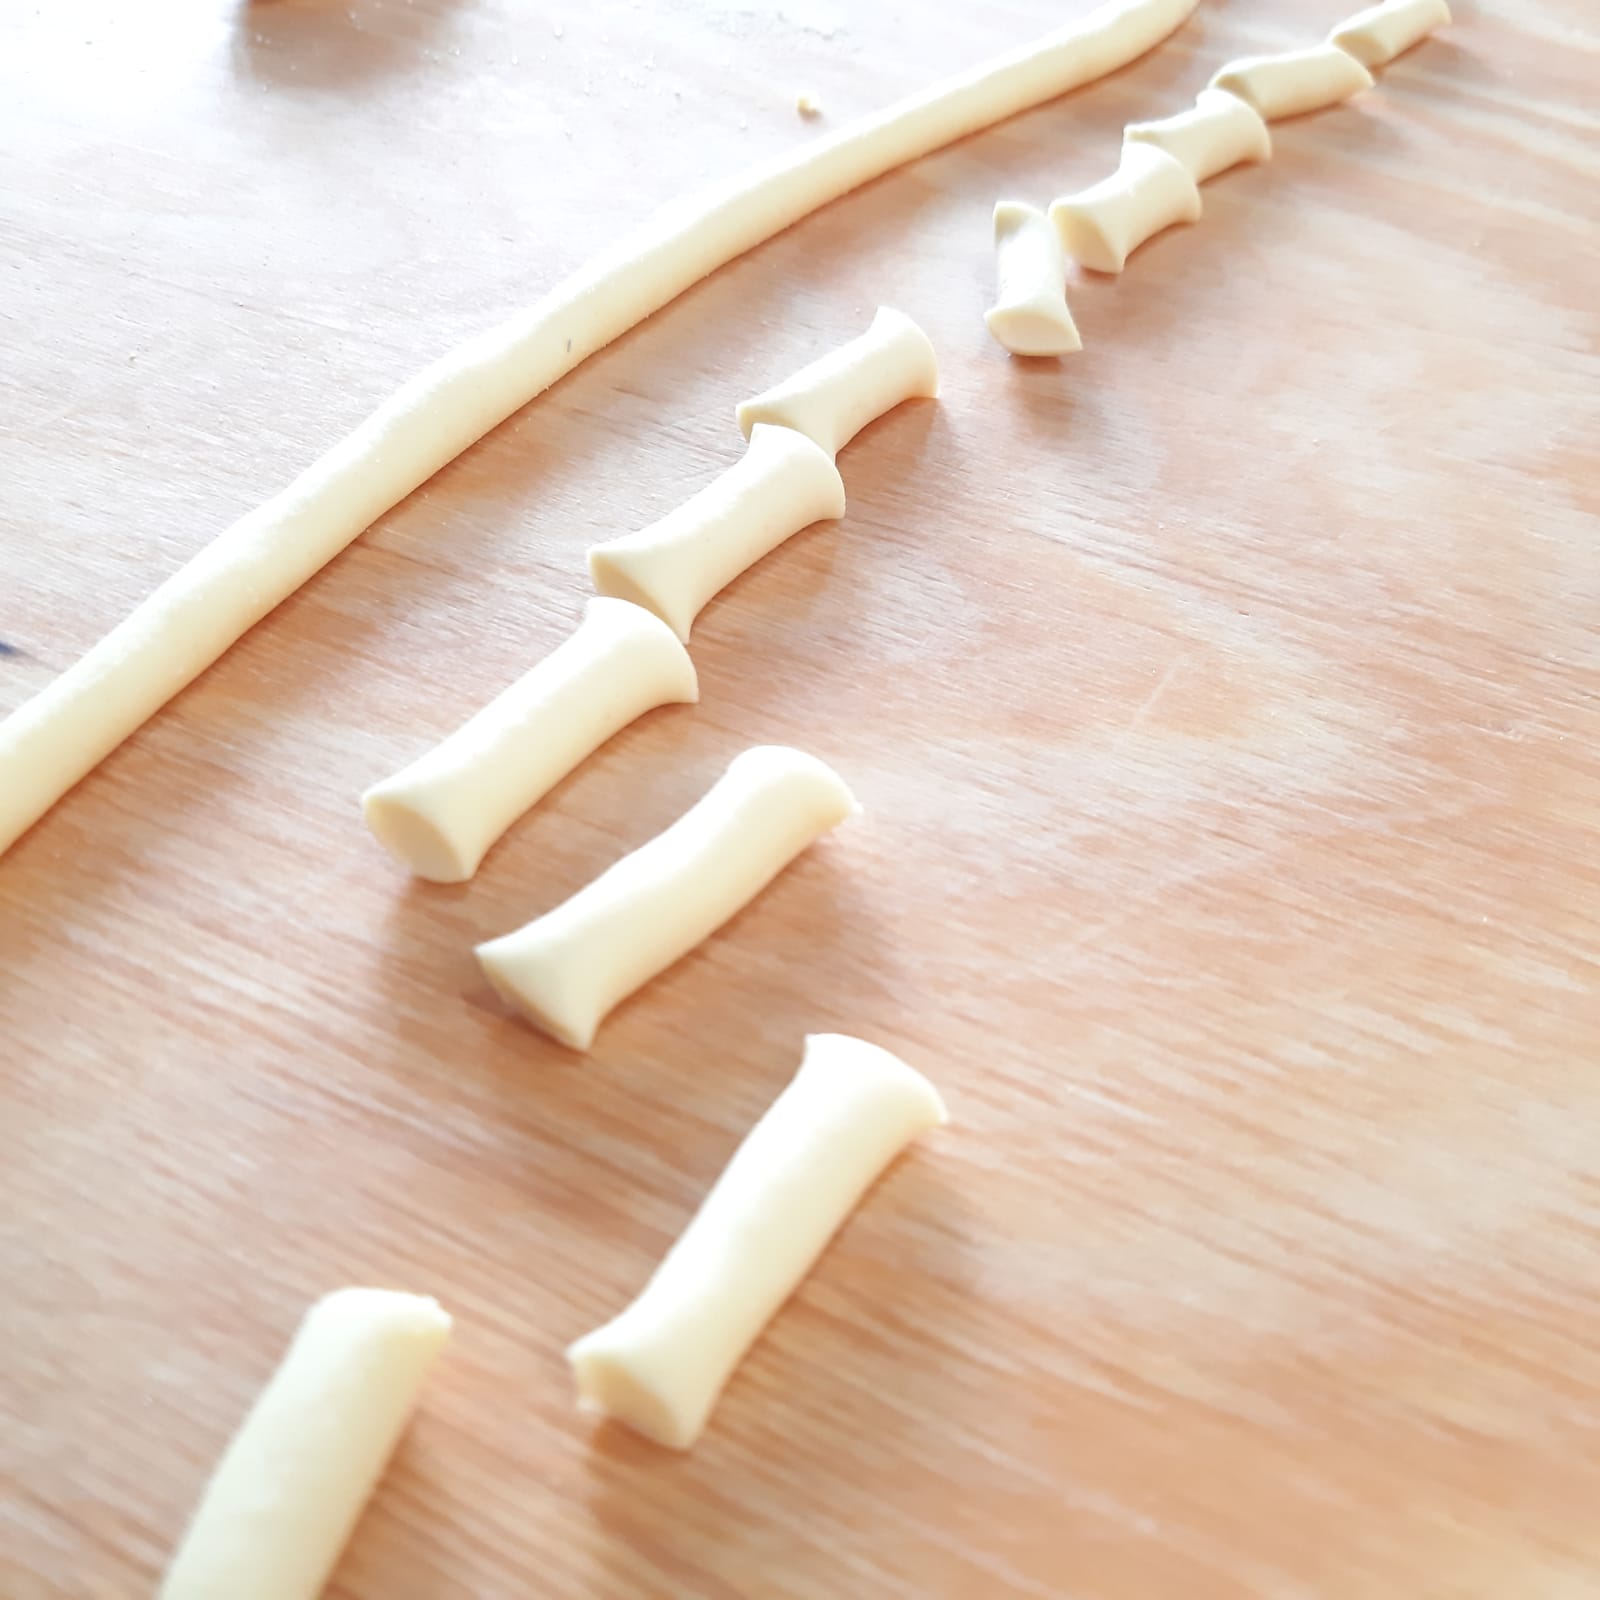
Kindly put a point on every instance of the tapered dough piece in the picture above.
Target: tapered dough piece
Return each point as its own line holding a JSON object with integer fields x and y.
{"x": 660, "y": 1365}
{"x": 1382, "y": 32}
{"x": 834, "y": 398}
{"x": 440, "y": 815}
{"x": 783, "y": 483}
{"x": 1030, "y": 315}
{"x": 74, "y": 723}
{"x": 1217, "y": 132}
{"x": 1103, "y": 225}
{"x": 289, "y": 1488}
{"x": 1294, "y": 82}
{"x": 565, "y": 970}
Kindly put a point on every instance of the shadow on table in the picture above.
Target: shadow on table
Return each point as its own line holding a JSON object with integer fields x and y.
{"x": 328, "y": 44}
{"x": 838, "y": 1426}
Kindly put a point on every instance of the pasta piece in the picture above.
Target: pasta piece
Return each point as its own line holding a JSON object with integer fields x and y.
{"x": 834, "y": 398}
{"x": 660, "y": 1365}
{"x": 565, "y": 970}
{"x": 1030, "y": 315}
{"x": 782, "y": 484}
{"x": 1217, "y": 132}
{"x": 73, "y": 724}
{"x": 440, "y": 815}
{"x": 1103, "y": 225}
{"x": 291, "y": 1485}
{"x": 1382, "y": 32}
{"x": 1295, "y": 82}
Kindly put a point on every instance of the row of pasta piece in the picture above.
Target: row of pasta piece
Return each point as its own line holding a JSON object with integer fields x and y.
{"x": 282, "y": 1501}
{"x": 1163, "y": 163}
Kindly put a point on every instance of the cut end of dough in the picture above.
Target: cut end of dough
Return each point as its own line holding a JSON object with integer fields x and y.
{"x": 681, "y": 682}
{"x": 782, "y": 763}
{"x": 498, "y": 959}
{"x": 1009, "y": 215}
{"x": 1034, "y": 329}
{"x": 608, "y": 1387}
{"x": 412, "y": 837}
{"x": 416, "y": 1316}
{"x": 923, "y": 381}
{"x": 610, "y": 573}
{"x": 749, "y": 412}
{"x": 845, "y": 1052}
{"x": 1084, "y": 239}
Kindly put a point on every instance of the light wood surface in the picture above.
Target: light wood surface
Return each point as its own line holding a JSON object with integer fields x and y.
{"x": 1224, "y": 706}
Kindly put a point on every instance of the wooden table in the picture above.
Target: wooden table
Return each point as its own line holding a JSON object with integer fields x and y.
{"x": 1224, "y": 706}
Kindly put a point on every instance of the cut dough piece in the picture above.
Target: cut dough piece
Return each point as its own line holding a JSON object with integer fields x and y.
{"x": 1382, "y": 32}
{"x": 1030, "y": 315}
{"x": 66, "y": 730}
{"x": 1103, "y": 225}
{"x": 565, "y": 970}
{"x": 782, "y": 484}
{"x": 1295, "y": 82}
{"x": 833, "y": 399}
{"x": 440, "y": 815}
{"x": 660, "y": 1365}
{"x": 291, "y": 1485}
{"x": 1217, "y": 132}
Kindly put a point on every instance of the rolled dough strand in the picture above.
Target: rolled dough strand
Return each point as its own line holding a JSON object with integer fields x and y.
{"x": 1297, "y": 81}
{"x": 782, "y": 483}
{"x": 1103, "y": 225}
{"x": 1030, "y": 315}
{"x": 289, "y": 1488}
{"x": 565, "y": 970}
{"x": 835, "y": 397}
{"x": 1382, "y": 32}
{"x": 1217, "y": 132}
{"x": 660, "y": 1365}
{"x": 440, "y": 815}
{"x": 73, "y": 724}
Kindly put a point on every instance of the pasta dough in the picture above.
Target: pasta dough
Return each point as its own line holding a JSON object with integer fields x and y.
{"x": 835, "y": 397}
{"x": 291, "y": 1485}
{"x": 65, "y": 731}
{"x": 782, "y": 484}
{"x": 1381, "y": 32}
{"x": 565, "y": 970}
{"x": 440, "y": 815}
{"x": 1030, "y": 315}
{"x": 1217, "y": 132}
{"x": 1295, "y": 82}
{"x": 660, "y": 1365}
{"x": 1103, "y": 225}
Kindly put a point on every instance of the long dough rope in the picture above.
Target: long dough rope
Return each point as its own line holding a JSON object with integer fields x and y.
{"x": 1163, "y": 163}
{"x": 66, "y": 730}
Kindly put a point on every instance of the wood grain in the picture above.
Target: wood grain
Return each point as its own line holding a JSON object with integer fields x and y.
{"x": 1224, "y": 703}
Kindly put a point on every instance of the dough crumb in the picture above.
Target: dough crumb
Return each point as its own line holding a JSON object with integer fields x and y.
{"x": 808, "y": 106}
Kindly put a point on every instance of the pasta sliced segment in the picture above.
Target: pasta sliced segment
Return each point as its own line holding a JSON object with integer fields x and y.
{"x": 1217, "y": 132}
{"x": 565, "y": 970}
{"x": 783, "y": 483}
{"x": 1295, "y": 81}
{"x": 661, "y": 1364}
{"x": 290, "y": 1487}
{"x": 1103, "y": 225}
{"x": 440, "y": 815}
{"x": 1382, "y": 32}
{"x": 836, "y": 396}
{"x": 1030, "y": 316}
